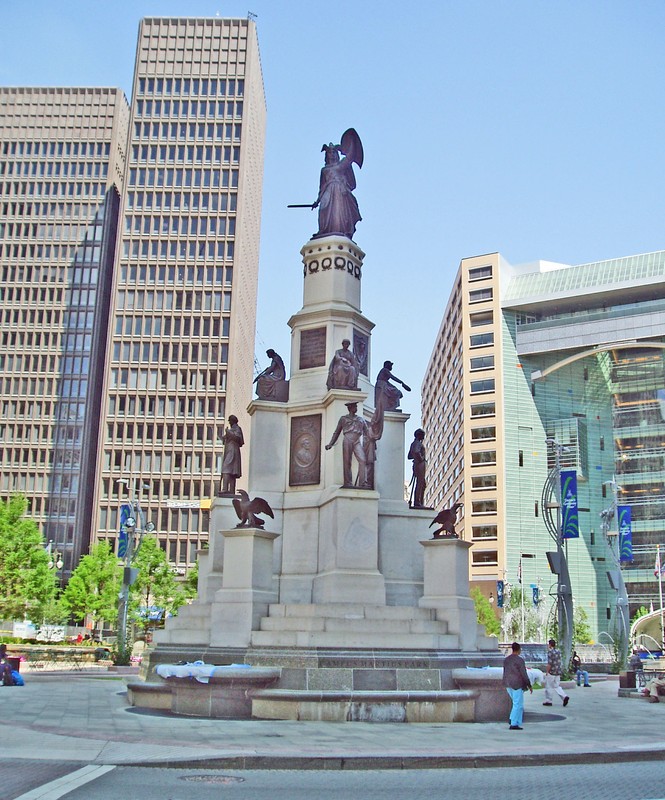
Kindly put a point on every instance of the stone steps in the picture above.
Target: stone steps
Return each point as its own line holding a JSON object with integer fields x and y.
{"x": 352, "y": 625}
{"x": 355, "y": 639}
{"x": 350, "y": 611}
{"x": 191, "y": 626}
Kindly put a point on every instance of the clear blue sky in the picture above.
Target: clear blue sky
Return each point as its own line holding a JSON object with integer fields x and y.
{"x": 531, "y": 128}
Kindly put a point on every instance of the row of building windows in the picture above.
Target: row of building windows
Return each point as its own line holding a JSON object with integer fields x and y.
{"x": 52, "y": 189}
{"x": 179, "y": 224}
{"x": 56, "y": 149}
{"x": 170, "y": 487}
{"x": 185, "y": 379}
{"x": 64, "y": 252}
{"x": 185, "y": 108}
{"x": 27, "y": 230}
{"x": 188, "y": 154}
{"x": 68, "y": 210}
{"x": 34, "y": 294}
{"x": 198, "y": 131}
{"x": 55, "y": 169}
{"x": 178, "y": 551}
{"x": 172, "y": 326}
{"x": 198, "y": 250}
{"x": 164, "y": 407}
{"x": 194, "y": 201}
{"x": 180, "y": 301}
{"x": 151, "y": 433}
{"x": 170, "y": 352}
{"x": 178, "y": 177}
{"x": 22, "y": 362}
{"x": 193, "y": 86}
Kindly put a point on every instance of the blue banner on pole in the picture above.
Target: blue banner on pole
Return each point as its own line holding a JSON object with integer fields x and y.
{"x": 570, "y": 521}
{"x": 535, "y": 595}
{"x": 499, "y": 594}
{"x": 123, "y": 536}
{"x": 625, "y": 534}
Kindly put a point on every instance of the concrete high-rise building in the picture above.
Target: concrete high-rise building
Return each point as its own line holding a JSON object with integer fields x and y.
{"x": 62, "y": 162}
{"x": 181, "y": 338}
{"x": 570, "y": 354}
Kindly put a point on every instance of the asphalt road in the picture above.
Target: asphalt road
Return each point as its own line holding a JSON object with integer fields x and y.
{"x": 623, "y": 781}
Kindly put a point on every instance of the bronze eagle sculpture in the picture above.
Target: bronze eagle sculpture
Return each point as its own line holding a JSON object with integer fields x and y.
{"x": 247, "y": 510}
{"x": 446, "y": 519}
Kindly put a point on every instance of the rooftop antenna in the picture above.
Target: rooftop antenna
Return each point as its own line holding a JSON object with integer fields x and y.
{"x": 251, "y": 15}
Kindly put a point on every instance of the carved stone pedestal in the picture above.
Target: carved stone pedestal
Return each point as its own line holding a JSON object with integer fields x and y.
{"x": 446, "y": 588}
{"x": 247, "y": 587}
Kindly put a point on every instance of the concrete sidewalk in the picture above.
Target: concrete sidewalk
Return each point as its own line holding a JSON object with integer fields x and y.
{"x": 83, "y": 717}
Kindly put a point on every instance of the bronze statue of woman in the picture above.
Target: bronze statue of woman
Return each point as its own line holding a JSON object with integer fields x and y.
{"x": 338, "y": 208}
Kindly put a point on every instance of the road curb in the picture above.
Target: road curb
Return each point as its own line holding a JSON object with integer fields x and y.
{"x": 256, "y": 762}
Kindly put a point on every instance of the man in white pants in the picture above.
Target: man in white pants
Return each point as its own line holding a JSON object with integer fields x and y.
{"x": 553, "y": 675}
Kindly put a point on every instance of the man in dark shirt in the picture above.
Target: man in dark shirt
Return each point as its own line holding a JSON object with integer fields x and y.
{"x": 553, "y": 675}
{"x": 516, "y": 680}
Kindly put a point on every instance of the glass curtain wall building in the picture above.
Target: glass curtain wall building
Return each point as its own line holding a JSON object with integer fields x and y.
{"x": 181, "y": 339}
{"x": 62, "y": 160}
{"x": 573, "y": 355}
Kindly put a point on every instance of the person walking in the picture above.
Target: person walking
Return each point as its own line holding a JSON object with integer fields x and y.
{"x": 553, "y": 675}
{"x": 516, "y": 680}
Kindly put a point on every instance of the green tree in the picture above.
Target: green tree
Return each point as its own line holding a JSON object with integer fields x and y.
{"x": 641, "y": 612}
{"x": 485, "y": 613}
{"x": 581, "y": 629}
{"x": 191, "y": 583}
{"x": 94, "y": 585}
{"x": 27, "y": 585}
{"x": 156, "y": 584}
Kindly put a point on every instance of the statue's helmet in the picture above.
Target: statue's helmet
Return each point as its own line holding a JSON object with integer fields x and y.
{"x": 332, "y": 153}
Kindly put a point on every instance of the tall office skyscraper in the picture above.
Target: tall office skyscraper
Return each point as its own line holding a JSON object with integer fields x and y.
{"x": 572, "y": 355}
{"x": 62, "y": 160}
{"x": 181, "y": 340}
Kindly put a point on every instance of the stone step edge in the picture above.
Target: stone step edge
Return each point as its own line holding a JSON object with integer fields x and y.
{"x": 368, "y": 696}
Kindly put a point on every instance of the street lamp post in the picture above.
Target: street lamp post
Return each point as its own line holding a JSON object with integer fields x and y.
{"x": 133, "y": 524}
{"x": 615, "y": 577}
{"x": 557, "y": 560}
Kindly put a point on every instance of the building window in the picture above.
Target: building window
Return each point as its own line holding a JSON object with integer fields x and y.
{"x": 482, "y": 318}
{"x": 479, "y": 532}
{"x": 480, "y": 295}
{"x": 478, "y": 387}
{"x": 484, "y": 558}
{"x": 482, "y": 362}
{"x": 478, "y": 434}
{"x": 482, "y": 339}
{"x": 483, "y": 457}
{"x": 483, "y": 409}
{"x": 483, "y": 507}
{"x": 480, "y": 273}
{"x": 483, "y": 482}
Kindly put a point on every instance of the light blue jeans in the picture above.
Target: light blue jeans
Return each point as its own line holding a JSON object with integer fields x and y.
{"x": 517, "y": 711}
{"x": 582, "y": 674}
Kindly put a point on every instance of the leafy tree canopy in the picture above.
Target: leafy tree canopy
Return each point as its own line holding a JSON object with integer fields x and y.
{"x": 485, "y": 613}
{"x": 94, "y": 585}
{"x": 156, "y": 585}
{"x": 27, "y": 585}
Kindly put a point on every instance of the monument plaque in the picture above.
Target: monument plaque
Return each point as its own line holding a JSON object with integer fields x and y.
{"x": 305, "y": 451}
{"x": 312, "y": 348}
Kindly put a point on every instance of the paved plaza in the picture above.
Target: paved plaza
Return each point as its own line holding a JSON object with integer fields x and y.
{"x": 84, "y": 717}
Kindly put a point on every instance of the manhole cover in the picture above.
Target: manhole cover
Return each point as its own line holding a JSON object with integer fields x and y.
{"x": 212, "y": 778}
